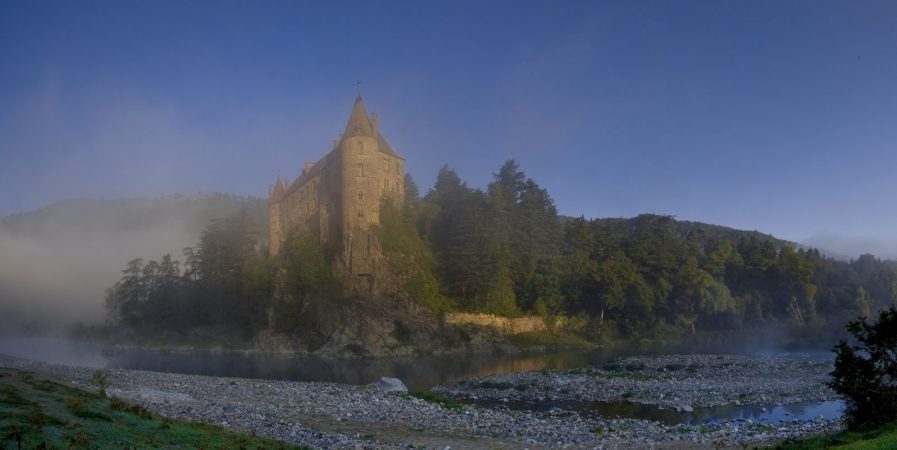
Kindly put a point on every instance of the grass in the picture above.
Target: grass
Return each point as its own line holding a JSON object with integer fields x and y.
{"x": 44, "y": 414}
{"x": 440, "y": 400}
{"x": 884, "y": 437}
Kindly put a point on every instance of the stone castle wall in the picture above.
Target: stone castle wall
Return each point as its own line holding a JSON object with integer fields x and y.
{"x": 338, "y": 198}
{"x": 506, "y": 325}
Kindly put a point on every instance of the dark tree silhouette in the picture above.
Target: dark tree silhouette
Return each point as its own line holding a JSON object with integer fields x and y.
{"x": 866, "y": 373}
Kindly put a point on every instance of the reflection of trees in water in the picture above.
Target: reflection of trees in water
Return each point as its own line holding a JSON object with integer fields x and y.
{"x": 417, "y": 372}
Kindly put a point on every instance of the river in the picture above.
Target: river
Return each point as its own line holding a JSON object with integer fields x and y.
{"x": 418, "y": 373}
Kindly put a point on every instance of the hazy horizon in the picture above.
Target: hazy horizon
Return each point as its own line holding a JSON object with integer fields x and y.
{"x": 833, "y": 245}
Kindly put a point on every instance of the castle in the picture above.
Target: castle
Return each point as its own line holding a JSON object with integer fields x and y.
{"x": 338, "y": 198}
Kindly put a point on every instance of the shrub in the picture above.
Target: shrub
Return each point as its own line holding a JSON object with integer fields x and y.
{"x": 101, "y": 381}
{"x": 865, "y": 374}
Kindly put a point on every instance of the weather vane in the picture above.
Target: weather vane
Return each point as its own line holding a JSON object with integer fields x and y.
{"x": 358, "y": 87}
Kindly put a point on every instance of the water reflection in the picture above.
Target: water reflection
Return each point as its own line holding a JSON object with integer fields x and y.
{"x": 417, "y": 372}
{"x": 831, "y": 409}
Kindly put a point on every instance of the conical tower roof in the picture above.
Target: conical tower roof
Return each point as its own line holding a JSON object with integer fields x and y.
{"x": 278, "y": 193}
{"x": 359, "y": 123}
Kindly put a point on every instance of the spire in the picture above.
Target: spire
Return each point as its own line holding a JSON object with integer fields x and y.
{"x": 359, "y": 124}
{"x": 278, "y": 193}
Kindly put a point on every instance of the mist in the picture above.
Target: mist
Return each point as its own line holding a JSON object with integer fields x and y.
{"x": 851, "y": 247}
{"x": 56, "y": 263}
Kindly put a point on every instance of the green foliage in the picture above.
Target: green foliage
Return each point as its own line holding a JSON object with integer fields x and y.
{"x": 865, "y": 374}
{"x": 504, "y": 250}
{"x": 409, "y": 257}
{"x": 884, "y": 437}
{"x": 100, "y": 380}
{"x": 314, "y": 299}
{"x": 226, "y": 280}
{"x": 62, "y": 417}
{"x": 440, "y": 400}
{"x": 309, "y": 266}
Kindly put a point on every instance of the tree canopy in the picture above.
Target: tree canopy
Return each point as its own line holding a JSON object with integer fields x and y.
{"x": 505, "y": 250}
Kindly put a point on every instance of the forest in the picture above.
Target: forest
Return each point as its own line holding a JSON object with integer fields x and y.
{"x": 505, "y": 250}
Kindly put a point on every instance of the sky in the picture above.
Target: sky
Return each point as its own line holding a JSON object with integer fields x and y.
{"x": 768, "y": 115}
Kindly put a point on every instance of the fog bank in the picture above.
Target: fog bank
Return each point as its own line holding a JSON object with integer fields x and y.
{"x": 56, "y": 263}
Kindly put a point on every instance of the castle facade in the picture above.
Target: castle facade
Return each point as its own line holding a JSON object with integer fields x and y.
{"x": 338, "y": 197}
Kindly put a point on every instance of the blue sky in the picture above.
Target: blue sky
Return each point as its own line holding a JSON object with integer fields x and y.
{"x": 777, "y": 116}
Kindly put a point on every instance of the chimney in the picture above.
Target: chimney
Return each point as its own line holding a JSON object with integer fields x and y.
{"x": 270, "y": 191}
{"x": 374, "y": 123}
{"x": 307, "y": 167}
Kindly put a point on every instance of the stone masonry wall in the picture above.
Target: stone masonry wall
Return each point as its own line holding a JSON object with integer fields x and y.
{"x": 506, "y": 325}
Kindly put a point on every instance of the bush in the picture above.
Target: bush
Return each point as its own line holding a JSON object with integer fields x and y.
{"x": 866, "y": 373}
{"x": 101, "y": 381}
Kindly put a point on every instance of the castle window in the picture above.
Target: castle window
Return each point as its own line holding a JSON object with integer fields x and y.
{"x": 360, "y": 214}
{"x": 360, "y": 148}
{"x": 361, "y": 195}
{"x": 386, "y": 185}
{"x": 386, "y": 163}
{"x": 359, "y": 170}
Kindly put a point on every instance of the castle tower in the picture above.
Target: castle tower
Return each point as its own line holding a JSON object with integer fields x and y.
{"x": 338, "y": 197}
{"x": 371, "y": 171}
{"x": 360, "y": 199}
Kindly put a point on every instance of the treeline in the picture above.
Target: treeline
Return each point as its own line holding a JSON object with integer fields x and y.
{"x": 226, "y": 280}
{"x": 505, "y": 250}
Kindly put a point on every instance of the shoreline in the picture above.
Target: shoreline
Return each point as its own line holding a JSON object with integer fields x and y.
{"x": 341, "y": 416}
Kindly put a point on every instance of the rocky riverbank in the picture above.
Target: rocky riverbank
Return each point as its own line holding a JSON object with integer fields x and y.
{"x": 327, "y": 415}
{"x": 680, "y": 382}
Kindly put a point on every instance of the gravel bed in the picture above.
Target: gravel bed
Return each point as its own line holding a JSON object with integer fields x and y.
{"x": 680, "y": 382}
{"x": 338, "y": 416}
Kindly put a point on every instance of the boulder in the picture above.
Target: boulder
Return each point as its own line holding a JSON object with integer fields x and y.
{"x": 387, "y": 384}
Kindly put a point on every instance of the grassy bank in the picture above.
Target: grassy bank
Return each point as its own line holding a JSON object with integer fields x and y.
{"x": 879, "y": 438}
{"x": 40, "y": 413}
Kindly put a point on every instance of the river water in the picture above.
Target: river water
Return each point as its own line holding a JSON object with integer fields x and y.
{"x": 418, "y": 373}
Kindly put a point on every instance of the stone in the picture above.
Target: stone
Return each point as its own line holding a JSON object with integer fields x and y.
{"x": 388, "y": 384}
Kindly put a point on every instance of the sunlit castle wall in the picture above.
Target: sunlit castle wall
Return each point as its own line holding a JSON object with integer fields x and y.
{"x": 339, "y": 197}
